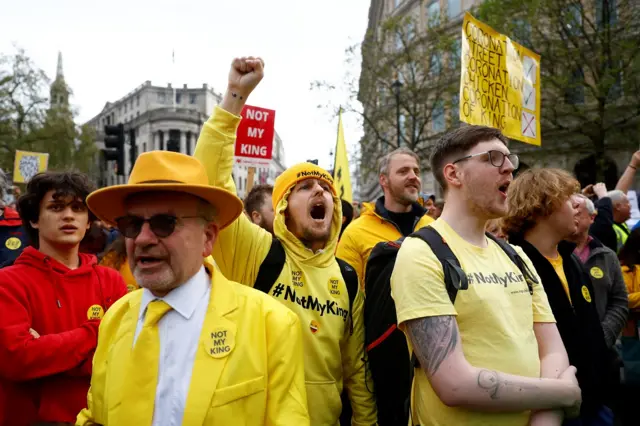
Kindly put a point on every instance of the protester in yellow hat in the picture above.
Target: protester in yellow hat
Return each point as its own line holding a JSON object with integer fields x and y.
{"x": 190, "y": 347}
{"x": 297, "y": 266}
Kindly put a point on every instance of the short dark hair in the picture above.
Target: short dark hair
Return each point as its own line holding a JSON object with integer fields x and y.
{"x": 64, "y": 184}
{"x": 257, "y": 197}
{"x": 457, "y": 143}
{"x": 347, "y": 211}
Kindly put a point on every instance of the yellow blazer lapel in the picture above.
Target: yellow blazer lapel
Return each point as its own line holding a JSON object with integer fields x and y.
{"x": 121, "y": 358}
{"x": 215, "y": 347}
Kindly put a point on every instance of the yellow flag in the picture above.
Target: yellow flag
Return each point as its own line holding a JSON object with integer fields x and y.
{"x": 341, "y": 175}
{"x": 28, "y": 164}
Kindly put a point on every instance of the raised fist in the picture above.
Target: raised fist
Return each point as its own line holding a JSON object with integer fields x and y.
{"x": 244, "y": 75}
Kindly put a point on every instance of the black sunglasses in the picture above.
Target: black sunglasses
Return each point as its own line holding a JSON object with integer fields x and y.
{"x": 162, "y": 225}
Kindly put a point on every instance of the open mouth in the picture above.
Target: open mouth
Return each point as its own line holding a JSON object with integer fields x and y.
{"x": 148, "y": 260}
{"x": 318, "y": 211}
{"x": 503, "y": 188}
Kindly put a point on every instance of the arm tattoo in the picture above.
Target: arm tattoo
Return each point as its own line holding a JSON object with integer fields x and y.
{"x": 490, "y": 381}
{"x": 433, "y": 339}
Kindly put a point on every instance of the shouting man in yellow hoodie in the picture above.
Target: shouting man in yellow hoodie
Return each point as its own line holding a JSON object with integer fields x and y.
{"x": 308, "y": 217}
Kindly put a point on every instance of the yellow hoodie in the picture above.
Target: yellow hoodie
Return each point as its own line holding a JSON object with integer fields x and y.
{"x": 333, "y": 355}
{"x": 361, "y": 236}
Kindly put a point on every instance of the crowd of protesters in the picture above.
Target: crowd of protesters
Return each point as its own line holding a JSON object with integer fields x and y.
{"x": 167, "y": 300}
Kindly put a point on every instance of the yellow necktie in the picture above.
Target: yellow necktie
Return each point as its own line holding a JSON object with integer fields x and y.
{"x": 142, "y": 377}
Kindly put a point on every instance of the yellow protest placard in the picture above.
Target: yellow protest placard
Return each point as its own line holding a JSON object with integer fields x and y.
{"x": 28, "y": 164}
{"x": 499, "y": 83}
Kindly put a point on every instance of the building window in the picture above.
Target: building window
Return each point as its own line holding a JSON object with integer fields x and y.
{"x": 455, "y": 54}
{"x": 178, "y": 98}
{"x": 126, "y": 107}
{"x": 455, "y": 109}
{"x": 574, "y": 93}
{"x": 137, "y": 114}
{"x": 437, "y": 117}
{"x": 434, "y": 65}
{"x": 604, "y": 15}
{"x": 453, "y": 9}
{"x": 138, "y": 100}
{"x": 522, "y": 32}
{"x": 161, "y": 97}
{"x": 192, "y": 98}
{"x": 433, "y": 14}
{"x": 573, "y": 18}
{"x": 144, "y": 147}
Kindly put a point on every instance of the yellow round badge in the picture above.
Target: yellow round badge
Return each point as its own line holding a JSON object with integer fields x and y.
{"x": 586, "y": 294}
{"x": 13, "y": 243}
{"x": 220, "y": 343}
{"x": 95, "y": 312}
{"x": 596, "y": 273}
{"x": 334, "y": 287}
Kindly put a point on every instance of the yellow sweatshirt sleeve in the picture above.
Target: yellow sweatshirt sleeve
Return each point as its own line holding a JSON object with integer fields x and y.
{"x": 348, "y": 251}
{"x": 242, "y": 246}
{"x": 357, "y": 381}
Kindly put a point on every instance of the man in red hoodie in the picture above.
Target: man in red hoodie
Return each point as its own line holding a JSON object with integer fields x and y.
{"x": 51, "y": 299}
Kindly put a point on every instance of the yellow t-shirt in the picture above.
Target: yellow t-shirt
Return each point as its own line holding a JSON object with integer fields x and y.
{"x": 559, "y": 268}
{"x": 495, "y": 316}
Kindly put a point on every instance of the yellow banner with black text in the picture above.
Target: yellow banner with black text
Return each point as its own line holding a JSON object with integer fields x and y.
{"x": 499, "y": 83}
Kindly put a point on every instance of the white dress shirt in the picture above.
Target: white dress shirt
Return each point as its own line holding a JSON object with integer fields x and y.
{"x": 179, "y": 333}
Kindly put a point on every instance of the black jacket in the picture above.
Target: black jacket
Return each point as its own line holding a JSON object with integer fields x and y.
{"x": 578, "y": 323}
{"x": 417, "y": 210}
{"x": 602, "y": 227}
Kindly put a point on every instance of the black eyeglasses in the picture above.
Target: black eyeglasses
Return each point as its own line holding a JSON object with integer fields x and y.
{"x": 162, "y": 225}
{"x": 496, "y": 158}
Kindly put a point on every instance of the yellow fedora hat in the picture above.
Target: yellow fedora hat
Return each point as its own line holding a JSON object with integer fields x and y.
{"x": 165, "y": 171}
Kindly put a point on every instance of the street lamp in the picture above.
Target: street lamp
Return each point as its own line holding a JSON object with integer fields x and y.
{"x": 397, "y": 86}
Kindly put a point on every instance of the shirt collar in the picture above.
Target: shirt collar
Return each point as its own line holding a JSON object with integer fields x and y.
{"x": 183, "y": 299}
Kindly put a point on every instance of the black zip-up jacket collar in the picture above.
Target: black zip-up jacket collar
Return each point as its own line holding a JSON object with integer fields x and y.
{"x": 417, "y": 210}
{"x": 577, "y": 321}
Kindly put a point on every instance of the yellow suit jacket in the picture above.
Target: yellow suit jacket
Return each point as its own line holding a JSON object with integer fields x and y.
{"x": 254, "y": 376}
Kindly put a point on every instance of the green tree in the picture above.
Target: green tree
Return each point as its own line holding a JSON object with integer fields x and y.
{"x": 424, "y": 58}
{"x": 590, "y": 69}
{"x": 30, "y": 122}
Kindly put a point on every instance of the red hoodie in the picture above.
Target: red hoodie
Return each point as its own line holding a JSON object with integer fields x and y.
{"x": 50, "y": 374}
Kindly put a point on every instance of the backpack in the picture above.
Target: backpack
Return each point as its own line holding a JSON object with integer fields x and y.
{"x": 272, "y": 265}
{"x": 385, "y": 345}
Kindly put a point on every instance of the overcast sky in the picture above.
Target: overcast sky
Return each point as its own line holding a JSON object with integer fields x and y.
{"x": 109, "y": 48}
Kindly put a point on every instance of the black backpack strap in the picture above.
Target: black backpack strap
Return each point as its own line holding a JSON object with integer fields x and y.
{"x": 350, "y": 277}
{"x": 454, "y": 277}
{"x": 529, "y": 276}
{"x": 271, "y": 267}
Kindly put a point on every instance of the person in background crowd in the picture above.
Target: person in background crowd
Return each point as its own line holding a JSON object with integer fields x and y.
{"x": 630, "y": 341}
{"x": 621, "y": 213}
{"x": 308, "y": 218}
{"x": 257, "y": 204}
{"x": 13, "y": 238}
{"x": 347, "y": 215}
{"x": 426, "y": 200}
{"x": 52, "y": 300}
{"x": 604, "y": 269}
{"x": 191, "y": 347}
{"x": 394, "y": 215}
{"x": 542, "y": 213}
{"x": 435, "y": 211}
{"x": 116, "y": 258}
{"x": 494, "y": 228}
{"x": 494, "y": 356}
{"x": 95, "y": 240}
{"x": 602, "y": 226}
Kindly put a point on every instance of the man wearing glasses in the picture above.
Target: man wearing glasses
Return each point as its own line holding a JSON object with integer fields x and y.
{"x": 190, "y": 347}
{"x": 494, "y": 356}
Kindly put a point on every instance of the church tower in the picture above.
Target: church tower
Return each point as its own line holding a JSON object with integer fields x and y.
{"x": 59, "y": 94}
